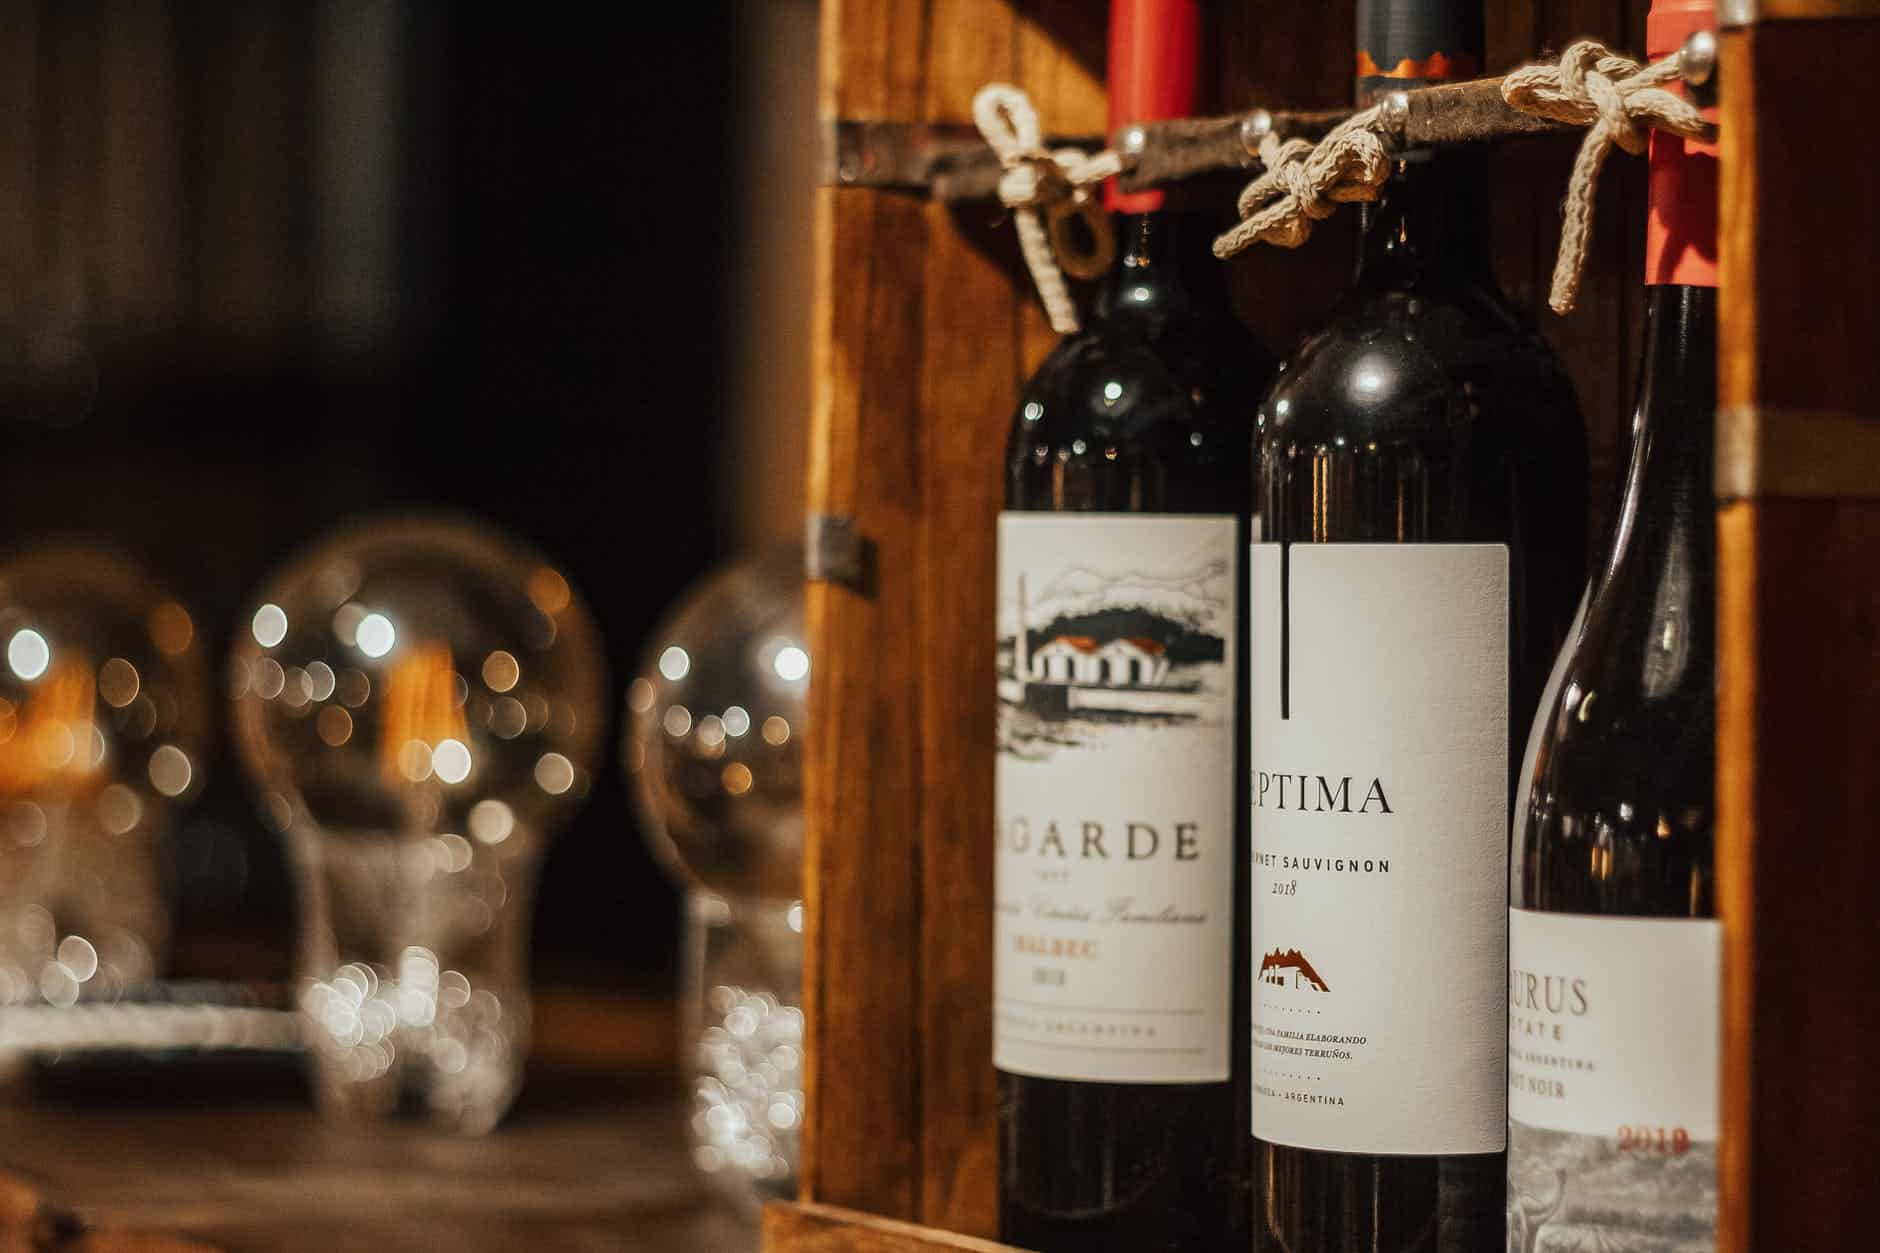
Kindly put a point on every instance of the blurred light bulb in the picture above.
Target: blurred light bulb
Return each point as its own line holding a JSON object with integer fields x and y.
{"x": 422, "y": 677}
{"x": 723, "y": 807}
{"x": 428, "y": 714}
{"x": 103, "y": 728}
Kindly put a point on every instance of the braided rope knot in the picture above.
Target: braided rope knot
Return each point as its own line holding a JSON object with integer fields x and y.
{"x": 1305, "y": 183}
{"x": 1620, "y": 101}
{"x": 1047, "y": 190}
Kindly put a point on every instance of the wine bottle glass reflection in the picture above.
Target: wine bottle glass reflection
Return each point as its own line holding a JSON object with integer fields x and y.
{"x": 418, "y": 702}
{"x": 714, "y": 748}
{"x": 103, "y": 719}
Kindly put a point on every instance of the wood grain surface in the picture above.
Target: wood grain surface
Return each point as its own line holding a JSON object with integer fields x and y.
{"x": 860, "y": 772}
{"x": 921, "y": 329}
{"x": 828, "y": 1229}
{"x": 1799, "y": 657}
{"x": 587, "y": 1161}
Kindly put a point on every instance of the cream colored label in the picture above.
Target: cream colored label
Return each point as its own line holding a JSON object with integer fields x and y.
{"x": 1379, "y": 679}
{"x": 1114, "y": 869}
{"x": 1613, "y": 1028}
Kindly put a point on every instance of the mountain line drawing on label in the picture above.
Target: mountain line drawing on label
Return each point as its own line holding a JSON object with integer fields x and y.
{"x": 1290, "y": 969}
{"x": 1082, "y": 649}
{"x": 1528, "y": 1214}
{"x": 1613, "y": 1082}
{"x": 1568, "y": 1191}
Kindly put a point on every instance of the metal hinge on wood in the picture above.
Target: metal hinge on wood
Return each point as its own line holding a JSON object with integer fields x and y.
{"x": 1784, "y": 452}
{"x": 947, "y": 160}
{"x": 834, "y": 551}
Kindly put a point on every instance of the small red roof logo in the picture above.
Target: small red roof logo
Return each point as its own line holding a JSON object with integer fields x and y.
{"x": 1293, "y": 959}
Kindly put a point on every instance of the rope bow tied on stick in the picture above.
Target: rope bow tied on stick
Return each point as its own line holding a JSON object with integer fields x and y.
{"x": 1618, "y": 99}
{"x": 1305, "y": 183}
{"x": 1047, "y": 191}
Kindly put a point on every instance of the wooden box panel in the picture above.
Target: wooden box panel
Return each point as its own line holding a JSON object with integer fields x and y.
{"x": 923, "y": 329}
{"x": 1799, "y": 634}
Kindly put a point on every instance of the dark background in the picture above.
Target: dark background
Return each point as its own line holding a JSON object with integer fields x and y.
{"x": 269, "y": 268}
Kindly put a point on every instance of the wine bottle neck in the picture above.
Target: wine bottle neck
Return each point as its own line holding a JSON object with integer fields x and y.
{"x": 1673, "y": 434}
{"x": 1162, "y": 269}
{"x": 1404, "y": 44}
{"x": 1427, "y": 221}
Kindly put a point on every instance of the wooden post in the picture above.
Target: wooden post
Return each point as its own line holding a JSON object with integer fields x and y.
{"x": 920, "y": 338}
{"x": 1798, "y": 843}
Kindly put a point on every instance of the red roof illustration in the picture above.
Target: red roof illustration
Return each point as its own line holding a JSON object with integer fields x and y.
{"x": 1147, "y": 645}
{"x": 1293, "y": 959}
{"x": 1082, "y": 643}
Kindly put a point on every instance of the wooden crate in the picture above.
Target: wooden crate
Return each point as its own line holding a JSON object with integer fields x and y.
{"x": 924, "y": 327}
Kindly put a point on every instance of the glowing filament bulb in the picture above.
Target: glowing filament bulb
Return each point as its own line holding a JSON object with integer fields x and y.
{"x": 421, "y": 707}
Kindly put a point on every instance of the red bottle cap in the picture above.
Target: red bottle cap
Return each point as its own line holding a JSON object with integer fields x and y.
{"x": 1155, "y": 48}
{"x": 1681, "y": 229}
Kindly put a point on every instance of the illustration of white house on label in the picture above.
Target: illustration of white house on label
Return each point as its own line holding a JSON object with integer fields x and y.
{"x": 1137, "y": 661}
{"x": 1082, "y": 649}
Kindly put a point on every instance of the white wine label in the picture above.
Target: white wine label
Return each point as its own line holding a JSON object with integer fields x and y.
{"x": 1613, "y": 1028}
{"x": 1115, "y": 796}
{"x": 1379, "y": 675}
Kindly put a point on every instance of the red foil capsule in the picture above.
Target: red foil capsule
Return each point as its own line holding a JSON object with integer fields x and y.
{"x": 1681, "y": 229}
{"x": 1155, "y": 49}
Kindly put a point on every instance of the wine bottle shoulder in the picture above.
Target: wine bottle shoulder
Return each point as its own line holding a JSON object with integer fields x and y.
{"x": 1614, "y": 813}
{"x": 1138, "y": 416}
{"x": 1429, "y": 363}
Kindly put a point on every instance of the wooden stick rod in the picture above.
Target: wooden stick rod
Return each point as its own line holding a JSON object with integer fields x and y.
{"x": 953, "y": 163}
{"x": 1428, "y": 117}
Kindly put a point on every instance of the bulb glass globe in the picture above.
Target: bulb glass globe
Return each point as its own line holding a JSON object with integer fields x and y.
{"x": 103, "y": 735}
{"x": 715, "y": 727}
{"x": 417, "y": 701}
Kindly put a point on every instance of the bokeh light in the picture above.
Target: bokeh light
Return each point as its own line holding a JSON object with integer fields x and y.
{"x": 103, "y": 733}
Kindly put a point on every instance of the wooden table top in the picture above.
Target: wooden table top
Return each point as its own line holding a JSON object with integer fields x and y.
{"x": 587, "y": 1161}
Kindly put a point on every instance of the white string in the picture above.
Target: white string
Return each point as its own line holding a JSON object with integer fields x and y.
{"x": 1305, "y": 183}
{"x": 1617, "y": 98}
{"x": 1037, "y": 181}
